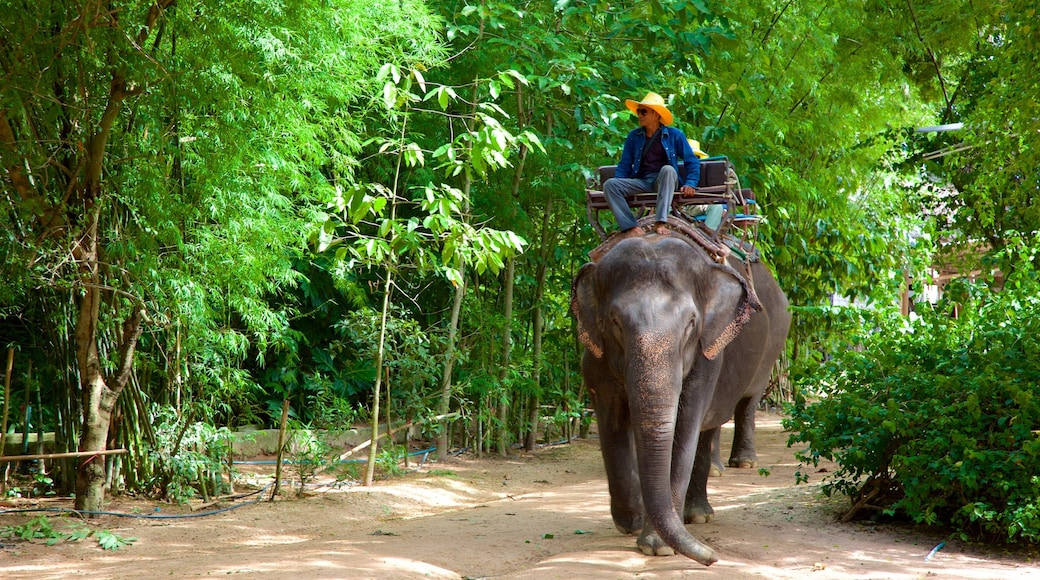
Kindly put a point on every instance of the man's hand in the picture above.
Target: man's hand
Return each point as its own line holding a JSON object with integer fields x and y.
{"x": 688, "y": 191}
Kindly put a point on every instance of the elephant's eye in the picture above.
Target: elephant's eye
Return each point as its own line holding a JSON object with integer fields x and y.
{"x": 615, "y": 328}
{"x": 691, "y": 325}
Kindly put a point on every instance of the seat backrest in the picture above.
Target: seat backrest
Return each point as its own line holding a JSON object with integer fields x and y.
{"x": 713, "y": 172}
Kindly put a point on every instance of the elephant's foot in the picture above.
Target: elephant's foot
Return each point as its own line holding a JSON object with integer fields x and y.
{"x": 627, "y": 522}
{"x": 698, "y": 513}
{"x": 743, "y": 462}
{"x": 717, "y": 468}
{"x": 627, "y": 529}
{"x": 651, "y": 544}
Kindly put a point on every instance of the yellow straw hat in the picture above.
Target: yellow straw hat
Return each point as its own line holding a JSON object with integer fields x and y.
{"x": 652, "y": 101}
{"x": 696, "y": 145}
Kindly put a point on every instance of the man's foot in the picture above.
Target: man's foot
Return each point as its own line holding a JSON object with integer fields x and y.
{"x": 631, "y": 233}
{"x": 601, "y": 250}
{"x": 661, "y": 228}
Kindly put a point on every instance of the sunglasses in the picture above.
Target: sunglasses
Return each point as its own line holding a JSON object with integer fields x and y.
{"x": 641, "y": 111}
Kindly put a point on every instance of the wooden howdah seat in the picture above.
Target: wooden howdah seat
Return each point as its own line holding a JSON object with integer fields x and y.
{"x": 718, "y": 184}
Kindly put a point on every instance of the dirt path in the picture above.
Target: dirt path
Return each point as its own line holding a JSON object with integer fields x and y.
{"x": 537, "y": 516}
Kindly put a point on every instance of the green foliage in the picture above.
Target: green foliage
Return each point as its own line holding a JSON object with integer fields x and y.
{"x": 41, "y": 528}
{"x": 937, "y": 418}
{"x": 443, "y": 473}
{"x": 441, "y": 222}
{"x": 390, "y": 459}
{"x": 110, "y": 541}
{"x": 312, "y": 445}
{"x": 38, "y": 485}
{"x": 191, "y": 458}
{"x": 229, "y": 121}
{"x": 311, "y": 451}
{"x": 984, "y": 74}
{"x": 38, "y": 528}
{"x": 411, "y": 360}
{"x": 273, "y": 166}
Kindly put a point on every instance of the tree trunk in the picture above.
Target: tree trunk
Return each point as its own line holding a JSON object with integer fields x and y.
{"x": 99, "y": 395}
{"x": 373, "y": 452}
{"x": 539, "y": 325}
{"x": 449, "y": 363}
{"x": 507, "y": 343}
{"x": 444, "y": 408}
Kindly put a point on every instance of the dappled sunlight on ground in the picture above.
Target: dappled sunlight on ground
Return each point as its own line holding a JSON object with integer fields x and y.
{"x": 530, "y": 517}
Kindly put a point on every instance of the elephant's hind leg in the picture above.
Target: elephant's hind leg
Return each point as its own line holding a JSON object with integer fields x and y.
{"x": 717, "y": 466}
{"x": 697, "y": 510}
{"x": 743, "y": 453}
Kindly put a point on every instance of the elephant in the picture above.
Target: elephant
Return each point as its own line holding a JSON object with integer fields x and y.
{"x": 674, "y": 339}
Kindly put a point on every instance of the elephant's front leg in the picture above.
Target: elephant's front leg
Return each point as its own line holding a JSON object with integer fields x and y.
{"x": 697, "y": 510}
{"x": 617, "y": 444}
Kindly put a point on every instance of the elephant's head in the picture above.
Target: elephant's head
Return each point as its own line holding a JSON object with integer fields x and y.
{"x": 654, "y": 314}
{"x": 674, "y": 279}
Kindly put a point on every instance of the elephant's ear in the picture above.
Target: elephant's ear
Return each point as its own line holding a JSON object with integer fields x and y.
{"x": 727, "y": 310}
{"x": 583, "y": 305}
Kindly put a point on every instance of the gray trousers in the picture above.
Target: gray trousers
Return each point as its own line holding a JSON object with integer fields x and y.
{"x": 617, "y": 190}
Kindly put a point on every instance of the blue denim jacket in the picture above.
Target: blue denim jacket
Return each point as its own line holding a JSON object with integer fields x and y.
{"x": 675, "y": 146}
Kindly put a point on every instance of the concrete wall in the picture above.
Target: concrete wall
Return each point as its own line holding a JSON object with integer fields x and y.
{"x": 13, "y": 444}
{"x": 251, "y": 443}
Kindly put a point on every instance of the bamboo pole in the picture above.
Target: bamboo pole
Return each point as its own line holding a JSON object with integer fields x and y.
{"x": 28, "y": 411}
{"x": 13, "y": 458}
{"x": 7, "y": 407}
{"x": 42, "y": 466}
{"x": 389, "y": 439}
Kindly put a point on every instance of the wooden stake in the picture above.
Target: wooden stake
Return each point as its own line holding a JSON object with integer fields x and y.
{"x": 281, "y": 444}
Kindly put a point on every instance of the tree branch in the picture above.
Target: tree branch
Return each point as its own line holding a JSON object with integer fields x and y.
{"x": 14, "y": 173}
{"x": 132, "y": 329}
{"x": 154, "y": 12}
{"x": 931, "y": 55}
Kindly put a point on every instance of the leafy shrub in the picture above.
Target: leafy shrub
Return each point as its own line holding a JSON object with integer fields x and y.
{"x": 311, "y": 451}
{"x": 190, "y": 457}
{"x": 934, "y": 417}
{"x": 312, "y": 446}
{"x": 390, "y": 458}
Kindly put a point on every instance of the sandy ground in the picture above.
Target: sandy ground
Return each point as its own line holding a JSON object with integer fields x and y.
{"x": 543, "y": 515}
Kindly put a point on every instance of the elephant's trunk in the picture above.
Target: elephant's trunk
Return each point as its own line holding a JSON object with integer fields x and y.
{"x": 669, "y": 526}
{"x": 654, "y": 382}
